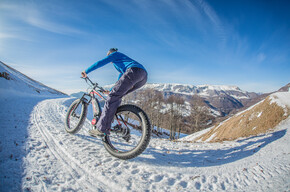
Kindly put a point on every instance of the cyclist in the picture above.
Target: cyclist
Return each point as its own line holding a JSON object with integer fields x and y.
{"x": 132, "y": 76}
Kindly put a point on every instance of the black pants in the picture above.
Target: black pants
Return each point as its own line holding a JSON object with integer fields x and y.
{"x": 132, "y": 79}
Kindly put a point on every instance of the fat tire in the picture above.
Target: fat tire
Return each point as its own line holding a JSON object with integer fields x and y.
{"x": 82, "y": 116}
{"x": 146, "y": 129}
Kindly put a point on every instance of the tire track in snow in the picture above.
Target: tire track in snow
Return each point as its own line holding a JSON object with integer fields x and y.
{"x": 51, "y": 111}
{"x": 84, "y": 158}
{"x": 82, "y": 177}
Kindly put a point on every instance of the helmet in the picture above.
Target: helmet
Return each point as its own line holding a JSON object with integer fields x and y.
{"x": 112, "y": 50}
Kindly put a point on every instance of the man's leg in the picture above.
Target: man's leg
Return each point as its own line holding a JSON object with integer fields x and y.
{"x": 125, "y": 84}
{"x": 140, "y": 83}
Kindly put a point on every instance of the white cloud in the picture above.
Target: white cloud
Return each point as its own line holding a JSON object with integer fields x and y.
{"x": 6, "y": 35}
{"x": 37, "y": 20}
{"x": 215, "y": 20}
{"x": 36, "y": 16}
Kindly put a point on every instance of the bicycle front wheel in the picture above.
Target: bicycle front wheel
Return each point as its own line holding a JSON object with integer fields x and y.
{"x": 76, "y": 116}
{"x": 130, "y": 133}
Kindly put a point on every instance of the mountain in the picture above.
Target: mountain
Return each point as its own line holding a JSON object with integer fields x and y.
{"x": 15, "y": 82}
{"x": 285, "y": 88}
{"x": 259, "y": 119}
{"x": 221, "y": 98}
{"x": 261, "y": 97}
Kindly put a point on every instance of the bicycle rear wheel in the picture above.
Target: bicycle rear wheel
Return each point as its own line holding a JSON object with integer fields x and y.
{"x": 76, "y": 116}
{"x": 130, "y": 133}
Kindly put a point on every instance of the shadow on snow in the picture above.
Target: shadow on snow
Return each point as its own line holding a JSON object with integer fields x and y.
{"x": 15, "y": 122}
{"x": 209, "y": 157}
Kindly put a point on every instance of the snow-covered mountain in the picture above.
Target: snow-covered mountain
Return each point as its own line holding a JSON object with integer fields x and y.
{"x": 15, "y": 82}
{"x": 201, "y": 90}
{"x": 222, "y": 98}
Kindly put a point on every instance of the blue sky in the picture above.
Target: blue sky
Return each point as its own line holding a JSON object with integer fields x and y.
{"x": 219, "y": 42}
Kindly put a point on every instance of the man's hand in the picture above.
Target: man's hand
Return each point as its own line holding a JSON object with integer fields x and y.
{"x": 84, "y": 75}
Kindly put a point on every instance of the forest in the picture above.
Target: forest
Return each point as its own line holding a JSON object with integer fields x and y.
{"x": 174, "y": 113}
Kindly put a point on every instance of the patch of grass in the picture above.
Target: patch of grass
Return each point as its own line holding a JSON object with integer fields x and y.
{"x": 260, "y": 119}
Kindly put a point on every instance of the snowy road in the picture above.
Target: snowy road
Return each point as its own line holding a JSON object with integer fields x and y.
{"x": 38, "y": 155}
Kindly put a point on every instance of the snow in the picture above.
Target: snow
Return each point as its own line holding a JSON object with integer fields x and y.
{"x": 36, "y": 154}
{"x": 211, "y": 137}
{"x": 219, "y": 87}
{"x": 254, "y": 115}
{"x": 201, "y": 90}
{"x": 193, "y": 136}
{"x": 282, "y": 99}
{"x": 20, "y": 84}
{"x": 239, "y": 97}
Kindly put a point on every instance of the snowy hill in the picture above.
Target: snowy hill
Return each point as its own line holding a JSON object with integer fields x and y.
{"x": 78, "y": 94}
{"x": 36, "y": 154}
{"x": 259, "y": 119}
{"x": 14, "y": 82}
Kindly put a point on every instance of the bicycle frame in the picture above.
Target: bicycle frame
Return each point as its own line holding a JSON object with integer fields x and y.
{"x": 96, "y": 104}
{"x": 91, "y": 98}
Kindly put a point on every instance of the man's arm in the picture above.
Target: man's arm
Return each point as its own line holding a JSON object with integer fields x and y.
{"x": 99, "y": 64}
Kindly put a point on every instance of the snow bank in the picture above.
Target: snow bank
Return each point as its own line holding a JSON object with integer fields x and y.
{"x": 193, "y": 136}
{"x": 16, "y": 83}
{"x": 282, "y": 99}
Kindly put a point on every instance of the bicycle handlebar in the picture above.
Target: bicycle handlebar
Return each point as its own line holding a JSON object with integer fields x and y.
{"x": 94, "y": 84}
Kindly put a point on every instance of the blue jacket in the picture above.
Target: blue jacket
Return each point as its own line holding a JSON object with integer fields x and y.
{"x": 120, "y": 61}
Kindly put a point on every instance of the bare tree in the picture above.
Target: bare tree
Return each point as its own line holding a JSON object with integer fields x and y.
{"x": 175, "y": 115}
{"x": 179, "y": 114}
{"x": 152, "y": 101}
{"x": 200, "y": 114}
{"x": 158, "y": 117}
{"x": 169, "y": 113}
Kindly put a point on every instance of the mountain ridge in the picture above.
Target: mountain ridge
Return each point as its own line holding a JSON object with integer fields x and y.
{"x": 222, "y": 98}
